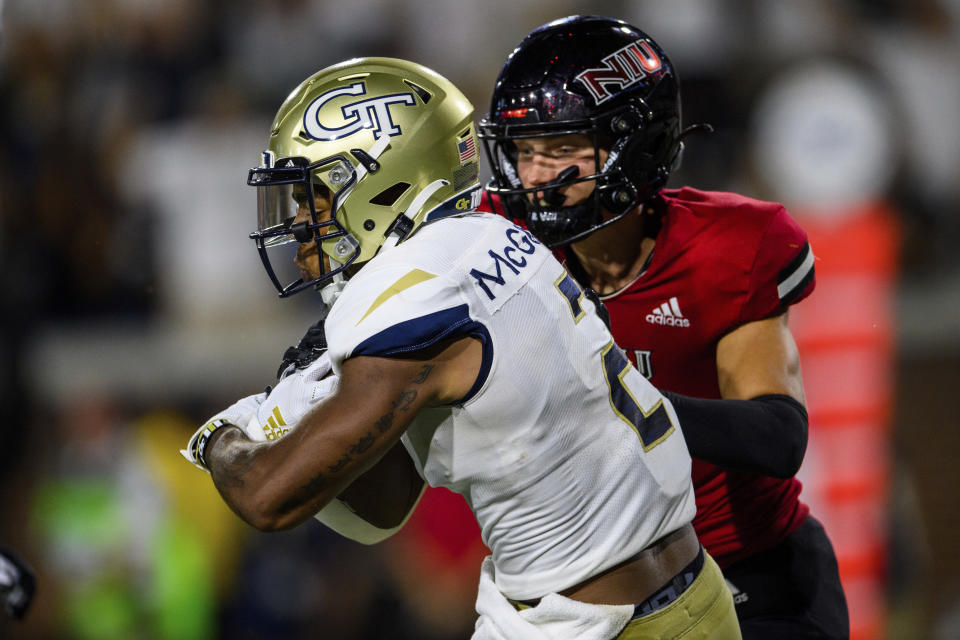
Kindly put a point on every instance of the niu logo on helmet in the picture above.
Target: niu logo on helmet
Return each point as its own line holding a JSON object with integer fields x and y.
{"x": 622, "y": 68}
{"x": 372, "y": 113}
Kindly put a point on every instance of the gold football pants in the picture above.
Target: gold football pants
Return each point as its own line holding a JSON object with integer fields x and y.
{"x": 703, "y": 612}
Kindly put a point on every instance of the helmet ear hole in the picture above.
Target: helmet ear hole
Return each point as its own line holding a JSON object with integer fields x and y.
{"x": 391, "y": 194}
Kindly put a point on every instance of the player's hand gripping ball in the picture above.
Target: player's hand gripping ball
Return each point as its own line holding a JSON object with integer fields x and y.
{"x": 297, "y": 392}
{"x": 240, "y": 413}
{"x": 304, "y": 380}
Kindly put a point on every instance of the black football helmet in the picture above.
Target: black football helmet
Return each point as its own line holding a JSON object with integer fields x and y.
{"x": 588, "y": 75}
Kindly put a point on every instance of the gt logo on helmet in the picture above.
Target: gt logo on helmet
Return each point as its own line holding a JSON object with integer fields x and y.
{"x": 622, "y": 68}
{"x": 372, "y": 113}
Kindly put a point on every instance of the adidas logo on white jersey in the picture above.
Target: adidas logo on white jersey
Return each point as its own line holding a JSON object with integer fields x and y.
{"x": 669, "y": 314}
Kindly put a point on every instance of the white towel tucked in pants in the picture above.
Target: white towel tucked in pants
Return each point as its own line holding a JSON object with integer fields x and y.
{"x": 554, "y": 618}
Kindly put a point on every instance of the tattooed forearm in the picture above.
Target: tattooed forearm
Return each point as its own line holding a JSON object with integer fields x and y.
{"x": 232, "y": 457}
{"x": 317, "y": 484}
{"x": 230, "y": 460}
{"x": 405, "y": 399}
{"x": 344, "y": 460}
{"x": 356, "y": 448}
{"x": 363, "y": 443}
{"x": 355, "y": 452}
{"x": 384, "y": 422}
{"x": 402, "y": 402}
{"x": 407, "y": 396}
{"x": 424, "y": 373}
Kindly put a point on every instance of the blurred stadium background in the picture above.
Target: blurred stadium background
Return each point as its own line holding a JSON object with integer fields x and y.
{"x": 134, "y": 306}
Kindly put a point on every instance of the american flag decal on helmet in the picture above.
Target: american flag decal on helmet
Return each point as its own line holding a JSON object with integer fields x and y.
{"x": 467, "y": 149}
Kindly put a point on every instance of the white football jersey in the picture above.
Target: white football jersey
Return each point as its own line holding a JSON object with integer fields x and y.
{"x": 571, "y": 461}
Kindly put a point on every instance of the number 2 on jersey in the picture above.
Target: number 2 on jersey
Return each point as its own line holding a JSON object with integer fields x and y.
{"x": 652, "y": 426}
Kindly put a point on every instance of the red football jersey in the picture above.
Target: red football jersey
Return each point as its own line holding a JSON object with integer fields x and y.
{"x": 720, "y": 260}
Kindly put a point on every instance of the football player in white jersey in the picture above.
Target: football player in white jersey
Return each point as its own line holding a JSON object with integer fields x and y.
{"x": 464, "y": 355}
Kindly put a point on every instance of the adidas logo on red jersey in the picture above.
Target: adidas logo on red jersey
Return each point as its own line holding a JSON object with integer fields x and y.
{"x": 668, "y": 314}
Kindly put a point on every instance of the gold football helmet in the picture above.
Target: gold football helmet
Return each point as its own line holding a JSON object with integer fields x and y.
{"x": 390, "y": 143}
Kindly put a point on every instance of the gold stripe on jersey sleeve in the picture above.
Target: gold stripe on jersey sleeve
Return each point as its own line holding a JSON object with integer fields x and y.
{"x": 415, "y": 277}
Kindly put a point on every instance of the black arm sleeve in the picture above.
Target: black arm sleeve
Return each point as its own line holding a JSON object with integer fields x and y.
{"x": 766, "y": 435}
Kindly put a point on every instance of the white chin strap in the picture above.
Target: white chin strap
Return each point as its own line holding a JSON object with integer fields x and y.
{"x": 421, "y": 199}
{"x": 330, "y": 289}
{"x": 379, "y": 146}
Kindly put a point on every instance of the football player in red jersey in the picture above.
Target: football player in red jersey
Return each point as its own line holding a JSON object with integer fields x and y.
{"x": 582, "y": 133}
